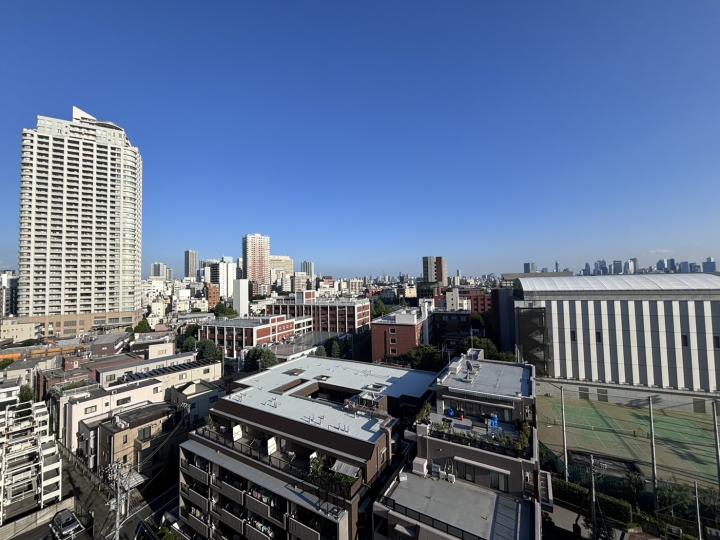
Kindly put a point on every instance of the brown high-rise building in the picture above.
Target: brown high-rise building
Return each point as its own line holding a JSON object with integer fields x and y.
{"x": 212, "y": 293}
{"x": 435, "y": 270}
{"x": 256, "y": 262}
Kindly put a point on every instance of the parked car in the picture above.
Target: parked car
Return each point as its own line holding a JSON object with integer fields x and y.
{"x": 65, "y": 524}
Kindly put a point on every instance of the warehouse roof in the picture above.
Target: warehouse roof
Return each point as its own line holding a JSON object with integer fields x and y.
{"x": 640, "y": 282}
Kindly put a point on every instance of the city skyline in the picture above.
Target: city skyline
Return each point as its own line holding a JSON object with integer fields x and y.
{"x": 380, "y": 105}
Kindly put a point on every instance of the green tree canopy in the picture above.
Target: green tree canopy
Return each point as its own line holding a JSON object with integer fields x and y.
{"x": 142, "y": 327}
{"x": 477, "y": 321}
{"x": 425, "y": 357}
{"x": 26, "y": 393}
{"x": 320, "y": 351}
{"x": 491, "y": 351}
{"x": 379, "y": 308}
{"x": 188, "y": 344}
{"x": 223, "y": 310}
{"x": 207, "y": 350}
{"x": 259, "y": 358}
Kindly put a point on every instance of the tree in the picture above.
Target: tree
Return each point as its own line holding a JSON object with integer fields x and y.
{"x": 379, "y": 309}
{"x": 425, "y": 357}
{"x": 489, "y": 348}
{"x": 259, "y": 358}
{"x": 223, "y": 310}
{"x": 195, "y": 310}
{"x": 335, "y": 349}
{"x": 207, "y": 350}
{"x": 129, "y": 329}
{"x": 477, "y": 322}
{"x": 191, "y": 330}
{"x": 26, "y": 393}
{"x": 5, "y": 363}
{"x": 142, "y": 327}
{"x": 320, "y": 351}
{"x": 188, "y": 344}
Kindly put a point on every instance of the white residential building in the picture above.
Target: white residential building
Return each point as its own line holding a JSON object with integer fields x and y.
{"x": 30, "y": 465}
{"x": 241, "y": 297}
{"x": 80, "y": 225}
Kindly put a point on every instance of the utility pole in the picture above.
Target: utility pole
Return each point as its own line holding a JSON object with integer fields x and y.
{"x": 116, "y": 470}
{"x": 652, "y": 449}
{"x": 565, "y": 452}
{"x": 592, "y": 485}
{"x": 697, "y": 511}
{"x": 717, "y": 439}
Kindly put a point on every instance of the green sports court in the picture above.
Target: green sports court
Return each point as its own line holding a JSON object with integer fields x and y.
{"x": 685, "y": 441}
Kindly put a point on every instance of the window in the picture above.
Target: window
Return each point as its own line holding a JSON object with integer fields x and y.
{"x": 183, "y": 376}
{"x": 110, "y": 377}
{"x": 383, "y": 455}
{"x": 393, "y": 350}
{"x": 598, "y": 337}
{"x": 573, "y": 336}
{"x": 144, "y": 433}
{"x": 123, "y": 401}
{"x": 124, "y": 439}
{"x": 392, "y": 330}
{"x": 206, "y": 371}
{"x": 699, "y": 406}
{"x": 602, "y": 394}
{"x": 125, "y": 458}
{"x": 716, "y": 342}
{"x": 584, "y": 392}
{"x": 89, "y": 410}
{"x": 393, "y": 341}
{"x": 684, "y": 340}
{"x": 156, "y": 390}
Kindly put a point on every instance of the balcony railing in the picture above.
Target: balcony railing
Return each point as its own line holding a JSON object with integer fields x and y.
{"x": 304, "y": 532}
{"x": 326, "y": 489}
{"x": 427, "y": 520}
{"x": 480, "y": 443}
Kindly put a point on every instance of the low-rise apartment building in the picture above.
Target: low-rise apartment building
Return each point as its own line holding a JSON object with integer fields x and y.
{"x": 233, "y": 335}
{"x": 398, "y": 332}
{"x": 341, "y": 315}
{"x": 298, "y": 450}
{"x": 476, "y": 475}
{"x": 30, "y": 465}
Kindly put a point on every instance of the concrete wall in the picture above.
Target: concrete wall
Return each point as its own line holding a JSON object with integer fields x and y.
{"x": 37, "y": 519}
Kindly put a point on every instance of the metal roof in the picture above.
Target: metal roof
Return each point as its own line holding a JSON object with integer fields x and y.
{"x": 639, "y": 282}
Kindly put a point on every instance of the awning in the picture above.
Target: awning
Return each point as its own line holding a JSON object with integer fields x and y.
{"x": 134, "y": 479}
{"x": 341, "y": 467}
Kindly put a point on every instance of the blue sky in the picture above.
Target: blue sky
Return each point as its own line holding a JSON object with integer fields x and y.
{"x": 363, "y": 135}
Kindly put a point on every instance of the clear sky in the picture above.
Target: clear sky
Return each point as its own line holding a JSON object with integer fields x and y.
{"x": 363, "y": 135}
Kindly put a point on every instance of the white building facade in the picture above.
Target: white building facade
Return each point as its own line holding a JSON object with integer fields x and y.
{"x": 80, "y": 225}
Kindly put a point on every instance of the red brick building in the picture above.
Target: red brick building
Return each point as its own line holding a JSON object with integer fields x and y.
{"x": 397, "y": 333}
{"x": 212, "y": 293}
{"x": 233, "y": 335}
{"x": 342, "y": 315}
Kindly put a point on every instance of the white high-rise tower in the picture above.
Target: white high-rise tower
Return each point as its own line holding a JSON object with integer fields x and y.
{"x": 80, "y": 225}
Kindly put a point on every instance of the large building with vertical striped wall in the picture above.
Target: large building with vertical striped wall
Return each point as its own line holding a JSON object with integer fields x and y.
{"x": 653, "y": 330}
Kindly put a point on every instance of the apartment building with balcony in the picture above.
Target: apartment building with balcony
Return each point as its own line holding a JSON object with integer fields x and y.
{"x": 298, "y": 451}
{"x": 73, "y": 405}
{"x": 233, "y": 335}
{"x": 80, "y": 226}
{"x": 30, "y": 465}
{"x": 342, "y": 315}
{"x": 476, "y": 475}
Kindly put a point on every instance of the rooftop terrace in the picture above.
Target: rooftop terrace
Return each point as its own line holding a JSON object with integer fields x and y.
{"x": 274, "y": 391}
{"x": 471, "y": 373}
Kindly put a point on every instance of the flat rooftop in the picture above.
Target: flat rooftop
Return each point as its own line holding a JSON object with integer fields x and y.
{"x": 122, "y": 361}
{"x": 140, "y": 416}
{"x": 635, "y": 282}
{"x": 475, "y": 509}
{"x": 487, "y": 377}
{"x": 357, "y": 377}
{"x": 401, "y": 316}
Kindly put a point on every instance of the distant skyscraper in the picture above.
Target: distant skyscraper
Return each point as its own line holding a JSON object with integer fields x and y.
{"x": 529, "y": 267}
{"x": 309, "y": 268}
{"x": 709, "y": 265}
{"x": 617, "y": 267}
{"x": 557, "y": 266}
{"x": 80, "y": 225}
{"x": 587, "y": 270}
{"x": 662, "y": 265}
{"x": 684, "y": 267}
{"x": 435, "y": 269}
{"x": 161, "y": 271}
{"x": 256, "y": 260}
{"x": 671, "y": 266}
{"x": 191, "y": 263}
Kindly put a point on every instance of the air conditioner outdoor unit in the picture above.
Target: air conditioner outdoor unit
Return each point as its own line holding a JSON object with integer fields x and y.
{"x": 451, "y": 478}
